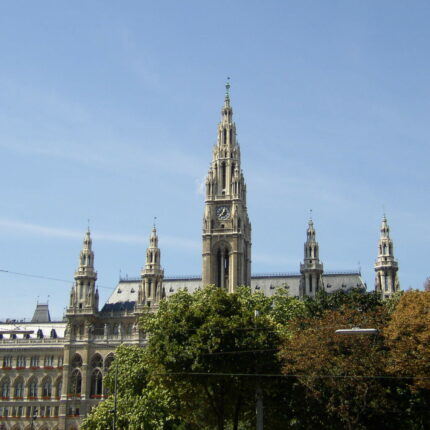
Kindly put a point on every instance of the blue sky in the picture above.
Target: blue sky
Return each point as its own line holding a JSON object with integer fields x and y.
{"x": 108, "y": 111}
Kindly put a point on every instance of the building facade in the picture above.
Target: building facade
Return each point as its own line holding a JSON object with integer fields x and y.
{"x": 52, "y": 373}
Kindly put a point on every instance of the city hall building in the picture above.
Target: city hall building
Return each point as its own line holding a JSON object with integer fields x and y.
{"x": 51, "y": 372}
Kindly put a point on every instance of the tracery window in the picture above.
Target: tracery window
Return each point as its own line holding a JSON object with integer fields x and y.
{"x": 32, "y": 388}
{"x": 34, "y": 361}
{"x": 47, "y": 388}
{"x": 20, "y": 361}
{"x": 76, "y": 382}
{"x": 5, "y": 388}
{"x": 19, "y": 389}
{"x": 96, "y": 383}
{"x": 7, "y": 361}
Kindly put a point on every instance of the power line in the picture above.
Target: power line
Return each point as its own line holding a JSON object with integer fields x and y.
{"x": 48, "y": 278}
{"x": 279, "y": 375}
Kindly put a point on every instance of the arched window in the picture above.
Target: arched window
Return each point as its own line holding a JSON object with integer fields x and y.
{"x": 58, "y": 387}
{"x": 39, "y": 334}
{"x": 97, "y": 361}
{"x": 5, "y": 388}
{"x": 47, "y": 387}
{"x": 53, "y": 334}
{"x": 76, "y": 361}
{"x": 19, "y": 389}
{"x": 32, "y": 388}
{"x": 76, "y": 382}
{"x": 96, "y": 383}
{"x": 108, "y": 361}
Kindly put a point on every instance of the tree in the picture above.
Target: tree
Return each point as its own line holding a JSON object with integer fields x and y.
{"x": 141, "y": 404}
{"x": 204, "y": 349}
{"x": 339, "y": 374}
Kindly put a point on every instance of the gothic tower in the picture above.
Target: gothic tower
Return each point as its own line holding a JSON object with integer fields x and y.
{"x": 226, "y": 227}
{"x": 84, "y": 297}
{"x": 386, "y": 267}
{"x": 151, "y": 287}
{"x": 312, "y": 268}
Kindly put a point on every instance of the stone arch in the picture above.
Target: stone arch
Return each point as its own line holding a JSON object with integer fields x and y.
{"x": 109, "y": 360}
{"x": 96, "y": 361}
{"x": 76, "y": 361}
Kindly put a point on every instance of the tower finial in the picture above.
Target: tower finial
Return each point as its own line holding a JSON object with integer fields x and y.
{"x": 88, "y": 225}
{"x": 153, "y": 225}
{"x": 310, "y": 214}
{"x": 227, "y": 88}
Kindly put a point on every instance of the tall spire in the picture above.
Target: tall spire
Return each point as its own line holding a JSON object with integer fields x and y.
{"x": 226, "y": 227}
{"x": 386, "y": 266}
{"x": 151, "y": 288}
{"x": 312, "y": 269}
{"x": 84, "y": 296}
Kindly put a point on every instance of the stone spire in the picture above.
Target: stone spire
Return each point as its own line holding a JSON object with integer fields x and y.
{"x": 151, "y": 287}
{"x": 226, "y": 227}
{"x": 84, "y": 297}
{"x": 311, "y": 269}
{"x": 386, "y": 266}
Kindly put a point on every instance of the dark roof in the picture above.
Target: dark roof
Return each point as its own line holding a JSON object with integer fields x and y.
{"x": 41, "y": 314}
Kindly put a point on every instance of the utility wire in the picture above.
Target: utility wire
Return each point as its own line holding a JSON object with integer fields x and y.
{"x": 48, "y": 278}
{"x": 279, "y": 375}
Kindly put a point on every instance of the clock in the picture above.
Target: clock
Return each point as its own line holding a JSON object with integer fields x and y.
{"x": 222, "y": 212}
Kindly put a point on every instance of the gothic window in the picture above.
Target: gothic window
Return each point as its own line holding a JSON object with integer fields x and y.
{"x": 34, "y": 361}
{"x": 386, "y": 282}
{"x": 5, "y": 388}
{"x": 310, "y": 284}
{"x": 20, "y": 361}
{"x": 76, "y": 382}
{"x": 96, "y": 383}
{"x": 76, "y": 361}
{"x": 7, "y": 361}
{"x": 149, "y": 288}
{"x": 223, "y": 174}
{"x": 47, "y": 388}
{"x": 19, "y": 389}
{"x": 97, "y": 361}
{"x": 49, "y": 361}
{"x": 32, "y": 388}
{"x": 58, "y": 387}
{"x": 108, "y": 361}
{"x": 60, "y": 361}
{"x": 224, "y": 135}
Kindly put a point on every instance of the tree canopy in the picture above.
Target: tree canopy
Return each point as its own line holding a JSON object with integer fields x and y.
{"x": 207, "y": 352}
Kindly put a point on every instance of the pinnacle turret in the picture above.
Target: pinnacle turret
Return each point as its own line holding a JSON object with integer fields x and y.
{"x": 386, "y": 266}
{"x": 311, "y": 269}
{"x": 84, "y": 295}
{"x": 151, "y": 289}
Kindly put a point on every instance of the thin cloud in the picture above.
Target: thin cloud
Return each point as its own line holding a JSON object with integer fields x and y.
{"x": 7, "y": 226}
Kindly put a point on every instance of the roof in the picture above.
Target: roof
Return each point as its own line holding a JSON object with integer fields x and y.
{"x": 125, "y": 294}
{"x": 31, "y": 330}
{"x": 41, "y": 314}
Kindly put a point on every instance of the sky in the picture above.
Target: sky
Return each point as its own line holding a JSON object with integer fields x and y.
{"x": 109, "y": 109}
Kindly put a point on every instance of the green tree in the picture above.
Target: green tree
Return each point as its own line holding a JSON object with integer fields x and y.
{"x": 205, "y": 347}
{"x": 141, "y": 404}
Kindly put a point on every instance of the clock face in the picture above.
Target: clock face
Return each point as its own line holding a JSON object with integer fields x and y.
{"x": 222, "y": 212}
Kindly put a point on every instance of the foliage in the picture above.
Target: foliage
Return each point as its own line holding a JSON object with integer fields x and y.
{"x": 141, "y": 404}
{"x": 206, "y": 346}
